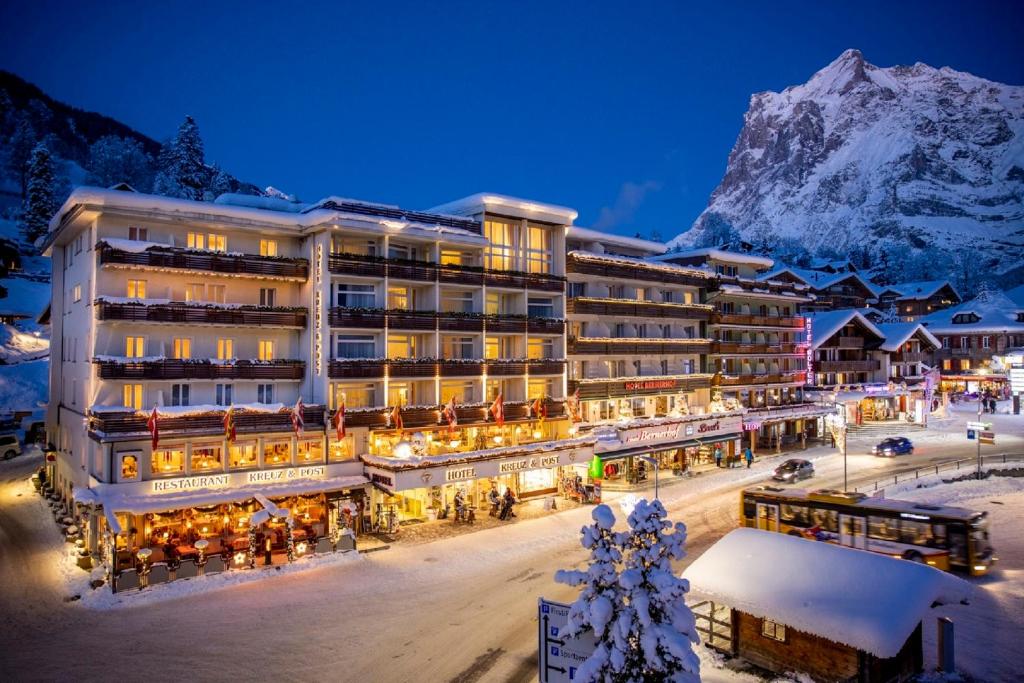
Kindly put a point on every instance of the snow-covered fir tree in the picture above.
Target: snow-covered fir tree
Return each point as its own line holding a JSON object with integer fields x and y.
{"x": 114, "y": 160}
{"x": 40, "y": 196}
{"x": 220, "y": 183}
{"x": 661, "y": 628}
{"x": 183, "y": 172}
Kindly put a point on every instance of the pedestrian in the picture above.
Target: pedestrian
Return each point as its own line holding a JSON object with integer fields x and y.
{"x": 749, "y": 455}
{"x": 494, "y": 498}
{"x": 718, "y": 456}
{"x": 460, "y": 506}
{"x": 506, "y": 505}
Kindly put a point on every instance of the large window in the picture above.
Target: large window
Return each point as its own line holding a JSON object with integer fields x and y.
{"x": 401, "y": 298}
{"x": 136, "y": 289}
{"x": 268, "y": 247}
{"x": 225, "y": 349}
{"x": 210, "y": 241}
{"x": 182, "y": 348}
{"x": 343, "y": 450}
{"x": 457, "y": 302}
{"x": 134, "y": 347}
{"x": 540, "y": 348}
{"x": 500, "y": 347}
{"x": 133, "y": 396}
{"x": 277, "y": 452}
{"x": 354, "y": 346}
{"x": 401, "y": 394}
{"x": 401, "y": 346}
{"x": 195, "y": 291}
{"x": 309, "y": 451}
{"x": 539, "y": 388}
{"x": 538, "y": 251}
{"x": 457, "y": 347}
{"x": 501, "y": 235}
{"x": 353, "y": 395}
{"x": 461, "y": 391}
{"x": 206, "y": 457}
{"x": 356, "y": 296}
{"x": 168, "y": 461}
{"x": 266, "y": 349}
{"x": 242, "y": 454}
{"x": 450, "y": 257}
{"x": 541, "y": 307}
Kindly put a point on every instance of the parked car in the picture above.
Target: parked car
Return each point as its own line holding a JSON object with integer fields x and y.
{"x": 9, "y": 446}
{"x": 794, "y": 469}
{"x": 892, "y": 447}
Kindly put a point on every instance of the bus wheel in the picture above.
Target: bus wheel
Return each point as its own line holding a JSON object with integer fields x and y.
{"x": 913, "y": 556}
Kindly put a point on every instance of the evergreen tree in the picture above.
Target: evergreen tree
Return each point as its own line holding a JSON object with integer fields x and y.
{"x": 182, "y": 170}
{"x": 40, "y": 199}
{"x": 220, "y": 182}
{"x": 20, "y": 147}
{"x": 114, "y": 160}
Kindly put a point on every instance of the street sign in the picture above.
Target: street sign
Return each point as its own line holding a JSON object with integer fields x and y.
{"x": 559, "y": 658}
{"x": 987, "y": 437}
{"x": 979, "y": 425}
{"x": 970, "y": 434}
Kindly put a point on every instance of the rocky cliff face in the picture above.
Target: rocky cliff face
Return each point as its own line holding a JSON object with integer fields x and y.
{"x": 907, "y": 160}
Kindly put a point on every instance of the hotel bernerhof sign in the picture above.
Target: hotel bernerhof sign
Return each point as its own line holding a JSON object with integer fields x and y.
{"x": 707, "y": 427}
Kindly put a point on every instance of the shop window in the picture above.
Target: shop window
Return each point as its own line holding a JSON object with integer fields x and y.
{"x": 540, "y": 348}
{"x": 342, "y": 450}
{"x": 774, "y": 630}
{"x": 129, "y": 466}
{"x": 268, "y": 247}
{"x": 169, "y": 461}
{"x": 310, "y": 451}
{"x": 277, "y": 453}
{"x": 136, "y": 289}
{"x": 206, "y": 458}
{"x": 356, "y": 296}
{"x": 242, "y": 454}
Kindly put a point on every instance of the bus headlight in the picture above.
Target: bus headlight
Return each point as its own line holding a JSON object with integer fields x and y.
{"x": 980, "y": 567}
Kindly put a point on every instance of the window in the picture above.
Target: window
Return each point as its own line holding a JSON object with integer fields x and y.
{"x": 137, "y": 234}
{"x": 965, "y": 364}
{"x": 616, "y": 291}
{"x": 985, "y": 342}
{"x": 129, "y": 466}
{"x": 182, "y": 348}
{"x": 266, "y": 350}
{"x": 499, "y": 304}
{"x": 309, "y": 451}
{"x": 947, "y": 364}
{"x": 773, "y": 630}
{"x": 457, "y": 302}
{"x": 965, "y": 318}
{"x": 180, "y": 394}
{"x": 206, "y": 457}
{"x": 540, "y": 348}
{"x": 354, "y": 395}
{"x": 462, "y": 392}
{"x": 401, "y": 346}
{"x": 343, "y": 450}
{"x": 78, "y": 244}
{"x": 401, "y": 251}
{"x": 965, "y": 342}
{"x": 225, "y": 349}
{"x": 349, "y": 245}
{"x": 354, "y": 346}
{"x": 268, "y": 247}
{"x": 400, "y": 394}
{"x": 501, "y": 236}
{"x": 195, "y": 291}
{"x": 540, "y": 307}
{"x": 576, "y": 289}
{"x": 224, "y": 394}
{"x": 76, "y": 293}
{"x": 539, "y": 388}
{"x": 277, "y": 452}
{"x": 355, "y": 296}
{"x": 538, "y": 251}
{"x": 400, "y": 298}
{"x": 169, "y": 460}
{"x": 216, "y": 294}
{"x": 136, "y": 289}
{"x": 945, "y": 342}
{"x": 500, "y": 347}
{"x": 457, "y": 347}
{"x": 242, "y": 454}
{"x": 883, "y": 528}
{"x": 455, "y": 258}
{"x": 211, "y": 241}
{"x": 264, "y": 393}
{"x": 133, "y": 396}
{"x": 134, "y": 347}
{"x": 268, "y": 296}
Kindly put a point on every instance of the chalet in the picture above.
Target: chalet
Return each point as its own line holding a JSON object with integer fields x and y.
{"x": 915, "y": 299}
{"x": 910, "y": 347}
{"x": 760, "y": 602}
{"x": 832, "y": 291}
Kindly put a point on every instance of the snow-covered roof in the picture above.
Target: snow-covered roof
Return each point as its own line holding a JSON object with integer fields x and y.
{"x": 824, "y": 324}
{"x": 648, "y": 264}
{"x": 25, "y": 297}
{"x": 896, "y": 334}
{"x": 498, "y": 203}
{"x": 816, "y": 278}
{"x": 591, "y": 235}
{"x": 721, "y": 255}
{"x": 915, "y": 290}
{"x": 868, "y": 601}
{"x": 997, "y": 313}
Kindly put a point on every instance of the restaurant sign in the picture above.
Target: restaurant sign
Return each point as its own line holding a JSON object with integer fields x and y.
{"x": 210, "y": 481}
{"x": 216, "y": 481}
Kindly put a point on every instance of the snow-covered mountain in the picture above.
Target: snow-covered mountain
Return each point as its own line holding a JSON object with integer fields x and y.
{"x": 912, "y": 161}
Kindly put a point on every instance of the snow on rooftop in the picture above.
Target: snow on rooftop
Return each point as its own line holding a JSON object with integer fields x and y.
{"x": 488, "y": 201}
{"x": 824, "y": 324}
{"x": 721, "y": 255}
{"x": 896, "y": 334}
{"x": 866, "y": 600}
{"x": 915, "y": 290}
{"x": 649, "y": 264}
{"x": 818, "y": 279}
{"x": 997, "y": 313}
{"x": 24, "y": 296}
{"x": 591, "y": 235}
{"x": 1016, "y": 295}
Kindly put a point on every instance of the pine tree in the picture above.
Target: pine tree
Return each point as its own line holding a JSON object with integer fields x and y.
{"x": 20, "y": 147}
{"x": 40, "y": 197}
{"x": 114, "y": 160}
{"x": 183, "y": 172}
{"x": 220, "y": 182}
{"x": 661, "y": 628}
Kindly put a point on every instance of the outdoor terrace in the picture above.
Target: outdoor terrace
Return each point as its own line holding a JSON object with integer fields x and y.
{"x": 173, "y": 369}
{"x": 425, "y": 271}
{"x": 181, "y": 259}
{"x": 200, "y": 314}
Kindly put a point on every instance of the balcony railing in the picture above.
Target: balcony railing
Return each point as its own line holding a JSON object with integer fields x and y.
{"x": 431, "y": 367}
{"x": 108, "y": 423}
{"x": 634, "y": 309}
{"x": 637, "y": 386}
{"x": 759, "y": 378}
{"x": 425, "y": 417}
{"x": 910, "y": 357}
{"x": 546, "y": 366}
{"x": 198, "y": 314}
{"x": 849, "y": 342}
{"x": 848, "y": 365}
{"x": 639, "y": 271}
{"x": 502, "y": 368}
{"x": 425, "y": 271}
{"x": 430, "y": 321}
{"x": 356, "y": 369}
{"x": 211, "y": 262}
{"x": 633, "y": 346}
{"x": 173, "y": 369}
{"x": 738, "y": 348}
{"x": 545, "y": 325}
{"x": 794, "y": 322}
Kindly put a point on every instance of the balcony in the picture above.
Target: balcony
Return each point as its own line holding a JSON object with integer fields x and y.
{"x": 412, "y": 369}
{"x": 367, "y": 318}
{"x": 849, "y": 342}
{"x": 425, "y": 271}
{"x": 461, "y": 322}
{"x": 637, "y": 309}
{"x": 546, "y": 366}
{"x": 504, "y": 368}
{"x": 415, "y": 271}
{"x": 412, "y": 320}
{"x": 545, "y": 325}
{"x": 636, "y": 346}
{"x": 848, "y": 365}
{"x": 760, "y": 378}
{"x": 176, "y": 258}
{"x": 200, "y": 314}
{"x": 598, "y": 389}
{"x": 356, "y": 369}
{"x": 910, "y": 357}
{"x": 356, "y": 264}
{"x": 173, "y": 369}
{"x": 460, "y": 275}
{"x": 429, "y": 321}
{"x": 619, "y": 271}
{"x": 738, "y": 348}
{"x": 794, "y": 322}
{"x": 511, "y": 324}
{"x": 469, "y": 415}
{"x": 111, "y": 423}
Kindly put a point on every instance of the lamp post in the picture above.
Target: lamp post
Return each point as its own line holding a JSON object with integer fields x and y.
{"x": 201, "y": 545}
{"x": 838, "y": 429}
{"x": 651, "y": 460}
{"x": 981, "y": 402}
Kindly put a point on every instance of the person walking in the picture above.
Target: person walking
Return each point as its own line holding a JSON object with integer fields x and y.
{"x": 749, "y": 455}
{"x": 718, "y": 456}
{"x": 494, "y": 498}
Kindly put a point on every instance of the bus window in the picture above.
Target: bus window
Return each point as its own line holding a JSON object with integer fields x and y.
{"x": 939, "y": 534}
{"x": 916, "y": 533}
{"x": 957, "y": 544}
{"x": 795, "y": 515}
{"x": 749, "y": 507}
{"x": 883, "y": 528}
{"x": 825, "y": 519}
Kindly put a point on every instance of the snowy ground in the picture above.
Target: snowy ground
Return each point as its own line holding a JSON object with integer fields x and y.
{"x": 459, "y": 609}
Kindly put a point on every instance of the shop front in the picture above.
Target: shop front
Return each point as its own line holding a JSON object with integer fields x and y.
{"x": 785, "y": 427}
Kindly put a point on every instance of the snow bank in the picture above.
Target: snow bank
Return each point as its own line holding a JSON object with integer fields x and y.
{"x": 865, "y": 600}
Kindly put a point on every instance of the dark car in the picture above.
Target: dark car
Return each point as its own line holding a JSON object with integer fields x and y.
{"x": 890, "y": 448}
{"x": 793, "y": 470}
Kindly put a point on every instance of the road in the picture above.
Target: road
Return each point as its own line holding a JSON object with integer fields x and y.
{"x": 461, "y": 609}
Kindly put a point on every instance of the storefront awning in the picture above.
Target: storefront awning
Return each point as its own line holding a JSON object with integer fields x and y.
{"x": 662, "y": 447}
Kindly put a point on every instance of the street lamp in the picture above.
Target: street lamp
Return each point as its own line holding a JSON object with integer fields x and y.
{"x": 653, "y": 461}
{"x": 837, "y": 425}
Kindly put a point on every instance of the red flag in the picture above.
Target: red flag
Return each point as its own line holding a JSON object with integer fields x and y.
{"x": 229, "y": 424}
{"x": 153, "y": 423}
{"x": 298, "y": 421}
{"x": 339, "y": 421}
{"x": 451, "y": 415}
{"x": 498, "y": 410}
{"x": 540, "y": 409}
{"x": 396, "y": 418}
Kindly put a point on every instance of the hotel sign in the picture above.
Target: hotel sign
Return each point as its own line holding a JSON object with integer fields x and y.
{"x": 526, "y": 464}
{"x": 680, "y": 431}
{"x": 460, "y": 473}
{"x": 216, "y": 481}
{"x": 648, "y": 385}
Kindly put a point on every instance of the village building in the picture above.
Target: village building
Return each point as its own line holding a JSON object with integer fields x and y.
{"x": 911, "y": 300}
{"x": 832, "y": 289}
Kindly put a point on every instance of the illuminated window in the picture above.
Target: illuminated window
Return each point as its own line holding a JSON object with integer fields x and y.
{"x": 965, "y": 364}
{"x": 216, "y": 294}
{"x": 455, "y": 258}
{"x": 540, "y": 348}
{"x": 355, "y": 395}
{"x": 400, "y": 394}
{"x": 538, "y": 251}
{"x": 76, "y": 293}
{"x": 277, "y": 452}
{"x": 268, "y": 247}
{"x": 132, "y": 396}
{"x": 266, "y": 349}
{"x": 211, "y": 241}
{"x": 225, "y": 349}
{"x": 343, "y": 450}
{"x": 206, "y": 457}
{"x": 457, "y": 302}
{"x": 169, "y": 460}
{"x": 773, "y": 630}
{"x": 462, "y": 392}
{"x": 182, "y": 348}
{"x": 400, "y": 298}
{"x": 195, "y": 291}
{"x": 457, "y": 347}
{"x": 401, "y": 346}
{"x": 129, "y": 466}
{"x": 242, "y": 454}
{"x": 134, "y": 347}
{"x": 501, "y": 235}
{"x": 539, "y": 388}
{"x": 196, "y": 240}
{"x": 309, "y": 451}
{"x": 136, "y": 289}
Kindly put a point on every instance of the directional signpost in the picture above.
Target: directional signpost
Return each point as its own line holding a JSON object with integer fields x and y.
{"x": 558, "y": 657}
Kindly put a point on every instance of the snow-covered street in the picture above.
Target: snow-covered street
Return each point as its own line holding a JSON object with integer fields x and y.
{"x": 458, "y": 609}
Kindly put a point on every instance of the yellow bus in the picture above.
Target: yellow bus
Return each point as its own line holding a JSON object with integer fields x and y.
{"x": 949, "y": 538}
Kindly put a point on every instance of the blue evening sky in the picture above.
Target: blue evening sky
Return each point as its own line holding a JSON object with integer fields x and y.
{"x": 625, "y": 111}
